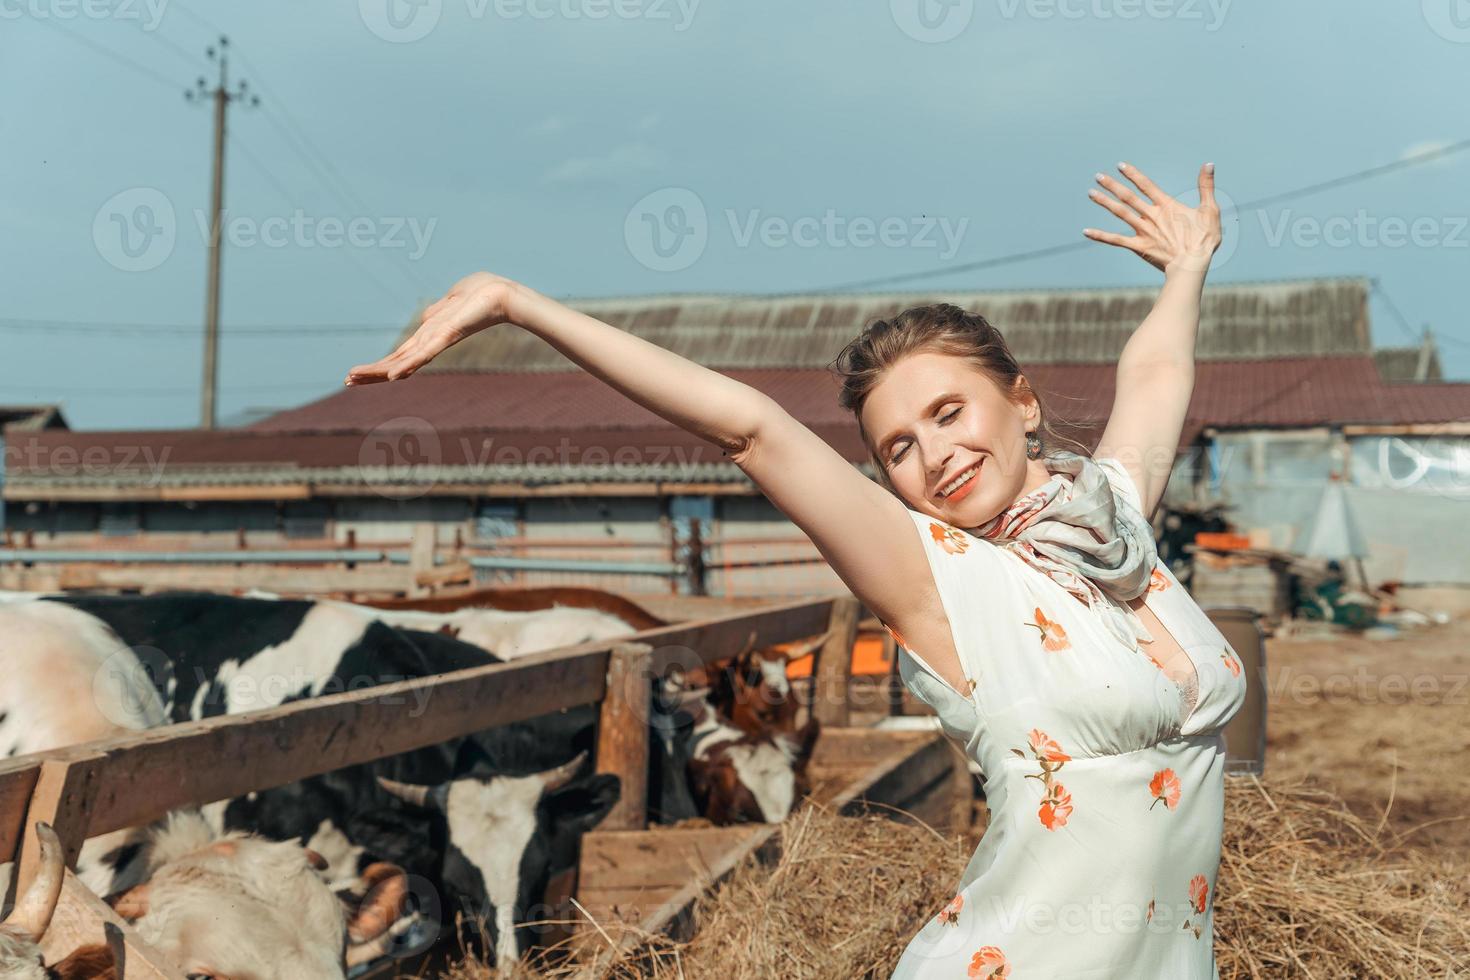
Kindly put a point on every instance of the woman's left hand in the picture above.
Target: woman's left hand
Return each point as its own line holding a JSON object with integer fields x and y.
{"x": 1165, "y": 231}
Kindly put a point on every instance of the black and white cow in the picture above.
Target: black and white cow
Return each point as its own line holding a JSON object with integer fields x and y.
{"x": 513, "y": 807}
{"x": 503, "y": 808}
{"x": 505, "y": 811}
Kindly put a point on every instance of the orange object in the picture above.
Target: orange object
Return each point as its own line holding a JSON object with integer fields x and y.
{"x": 867, "y": 658}
{"x": 1222, "y": 540}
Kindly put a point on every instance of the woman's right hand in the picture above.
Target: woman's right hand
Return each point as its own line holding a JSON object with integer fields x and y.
{"x": 477, "y": 301}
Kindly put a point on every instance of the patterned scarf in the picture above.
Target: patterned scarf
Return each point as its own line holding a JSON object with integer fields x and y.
{"x": 1051, "y": 530}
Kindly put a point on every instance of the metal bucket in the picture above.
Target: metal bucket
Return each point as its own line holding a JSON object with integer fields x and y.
{"x": 1245, "y": 734}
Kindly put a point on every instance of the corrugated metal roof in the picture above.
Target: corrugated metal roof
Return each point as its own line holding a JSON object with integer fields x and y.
{"x": 1237, "y": 320}
{"x": 546, "y": 429}
{"x": 1409, "y": 363}
{"x": 28, "y": 418}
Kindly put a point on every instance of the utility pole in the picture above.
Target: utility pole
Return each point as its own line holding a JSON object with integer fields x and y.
{"x": 222, "y": 97}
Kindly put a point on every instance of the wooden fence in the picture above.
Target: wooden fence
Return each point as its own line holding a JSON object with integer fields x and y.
{"x": 425, "y": 565}
{"x": 98, "y": 787}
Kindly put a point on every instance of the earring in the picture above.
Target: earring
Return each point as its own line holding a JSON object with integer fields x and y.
{"x": 1033, "y": 446}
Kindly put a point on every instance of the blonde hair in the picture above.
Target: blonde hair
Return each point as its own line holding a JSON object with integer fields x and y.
{"x": 941, "y": 328}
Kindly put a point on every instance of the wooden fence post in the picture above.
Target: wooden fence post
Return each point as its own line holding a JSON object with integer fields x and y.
{"x": 420, "y": 559}
{"x": 65, "y": 790}
{"x": 64, "y": 795}
{"x": 622, "y": 733}
{"x": 893, "y": 683}
{"x": 834, "y": 664}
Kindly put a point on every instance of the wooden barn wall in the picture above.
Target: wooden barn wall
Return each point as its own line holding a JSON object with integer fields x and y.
{"x": 757, "y": 517}
{"x": 380, "y": 520}
{"x": 636, "y": 520}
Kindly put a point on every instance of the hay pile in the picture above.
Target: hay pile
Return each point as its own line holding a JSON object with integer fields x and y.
{"x": 1306, "y": 890}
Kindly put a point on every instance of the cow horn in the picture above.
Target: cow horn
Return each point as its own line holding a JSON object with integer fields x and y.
{"x": 798, "y": 650}
{"x": 749, "y": 646}
{"x": 34, "y": 909}
{"x": 359, "y": 954}
{"x": 383, "y": 904}
{"x": 554, "y": 779}
{"x": 419, "y": 796}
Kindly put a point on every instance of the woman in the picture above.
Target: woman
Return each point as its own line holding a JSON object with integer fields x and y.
{"x": 1021, "y": 582}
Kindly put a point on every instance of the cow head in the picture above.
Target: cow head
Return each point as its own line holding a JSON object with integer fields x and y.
{"x": 739, "y": 777}
{"x": 240, "y": 907}
{"x": 753, "y": 691}
{"x": 506, "y": 834}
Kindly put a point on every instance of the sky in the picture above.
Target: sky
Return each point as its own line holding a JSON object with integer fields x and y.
{"x": 633, "y": 147}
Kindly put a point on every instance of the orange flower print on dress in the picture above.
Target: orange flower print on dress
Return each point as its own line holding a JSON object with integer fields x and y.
{"x": 1055, "y": 808}
{"x": 1164, "y": 786}
{"x": 1199, "y": 892}
{"x": 989, "y": 964}
{"x": 1231, "y": 661}
{"x": 1158, "y": 581}
{"x": 1046, "y": 748}
{"x": 1056, "y": 802}
{"x": 951, "y": 539}
{"x": 950, "y": 914}
{"x": 1053, "y": 637}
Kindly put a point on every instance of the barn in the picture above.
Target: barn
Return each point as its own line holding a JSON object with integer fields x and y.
{"x": 542, "y": 475}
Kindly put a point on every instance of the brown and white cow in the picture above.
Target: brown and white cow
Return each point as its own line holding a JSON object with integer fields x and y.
{"x": 747, "y": 756}
{"x": 209, "y": 891}
{"x": 225, "y": 906}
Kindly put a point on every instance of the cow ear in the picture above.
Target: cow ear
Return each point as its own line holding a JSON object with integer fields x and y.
{"x": 582, "y": 805}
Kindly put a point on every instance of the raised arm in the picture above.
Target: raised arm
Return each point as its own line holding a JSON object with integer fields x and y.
{"x": 1155, "y": 378}
{"x": 863, "y": 531}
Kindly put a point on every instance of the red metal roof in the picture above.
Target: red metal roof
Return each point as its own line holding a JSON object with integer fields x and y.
{"x": 474, "y": 415}
{"x": 1288, "y": 391}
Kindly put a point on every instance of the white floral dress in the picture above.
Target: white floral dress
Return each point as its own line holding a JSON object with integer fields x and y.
{"x": 1104, "y": 778}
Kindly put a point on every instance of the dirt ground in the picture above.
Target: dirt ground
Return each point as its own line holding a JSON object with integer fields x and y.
{"x": 1383, "y": 723}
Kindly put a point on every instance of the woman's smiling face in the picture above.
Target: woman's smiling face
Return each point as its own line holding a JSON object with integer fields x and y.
{"x": 953, "y": 444}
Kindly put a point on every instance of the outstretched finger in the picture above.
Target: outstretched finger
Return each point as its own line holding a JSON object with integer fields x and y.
{"x": 1124, "y": 193}
{"x": 1109, "y": 238}
{"x": 1207, "y": 184}
{"x": 367, "y": 374}
{"x": 1128, "y": 215}
{"x": 1143, "y": 183}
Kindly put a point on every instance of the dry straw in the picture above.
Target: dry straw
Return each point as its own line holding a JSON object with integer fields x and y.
{"x": 1306, "y": 890}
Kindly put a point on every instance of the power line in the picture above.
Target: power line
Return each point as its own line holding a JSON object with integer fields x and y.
{"x": 281, "y": 189}
{"x": 199, "y": 19}
{"x": 149, "y": 392}
{"x": 1398, "y": 316}
{"x": 107, "y": 52}
{"x": 331, "y": 178}
{"x": 1413, "y": 160}
{"x": 318, "y": 162}
{"x": 1403, "y": 321}
{"x": 170, "y": 330}
{"x": 192, "y": 59}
